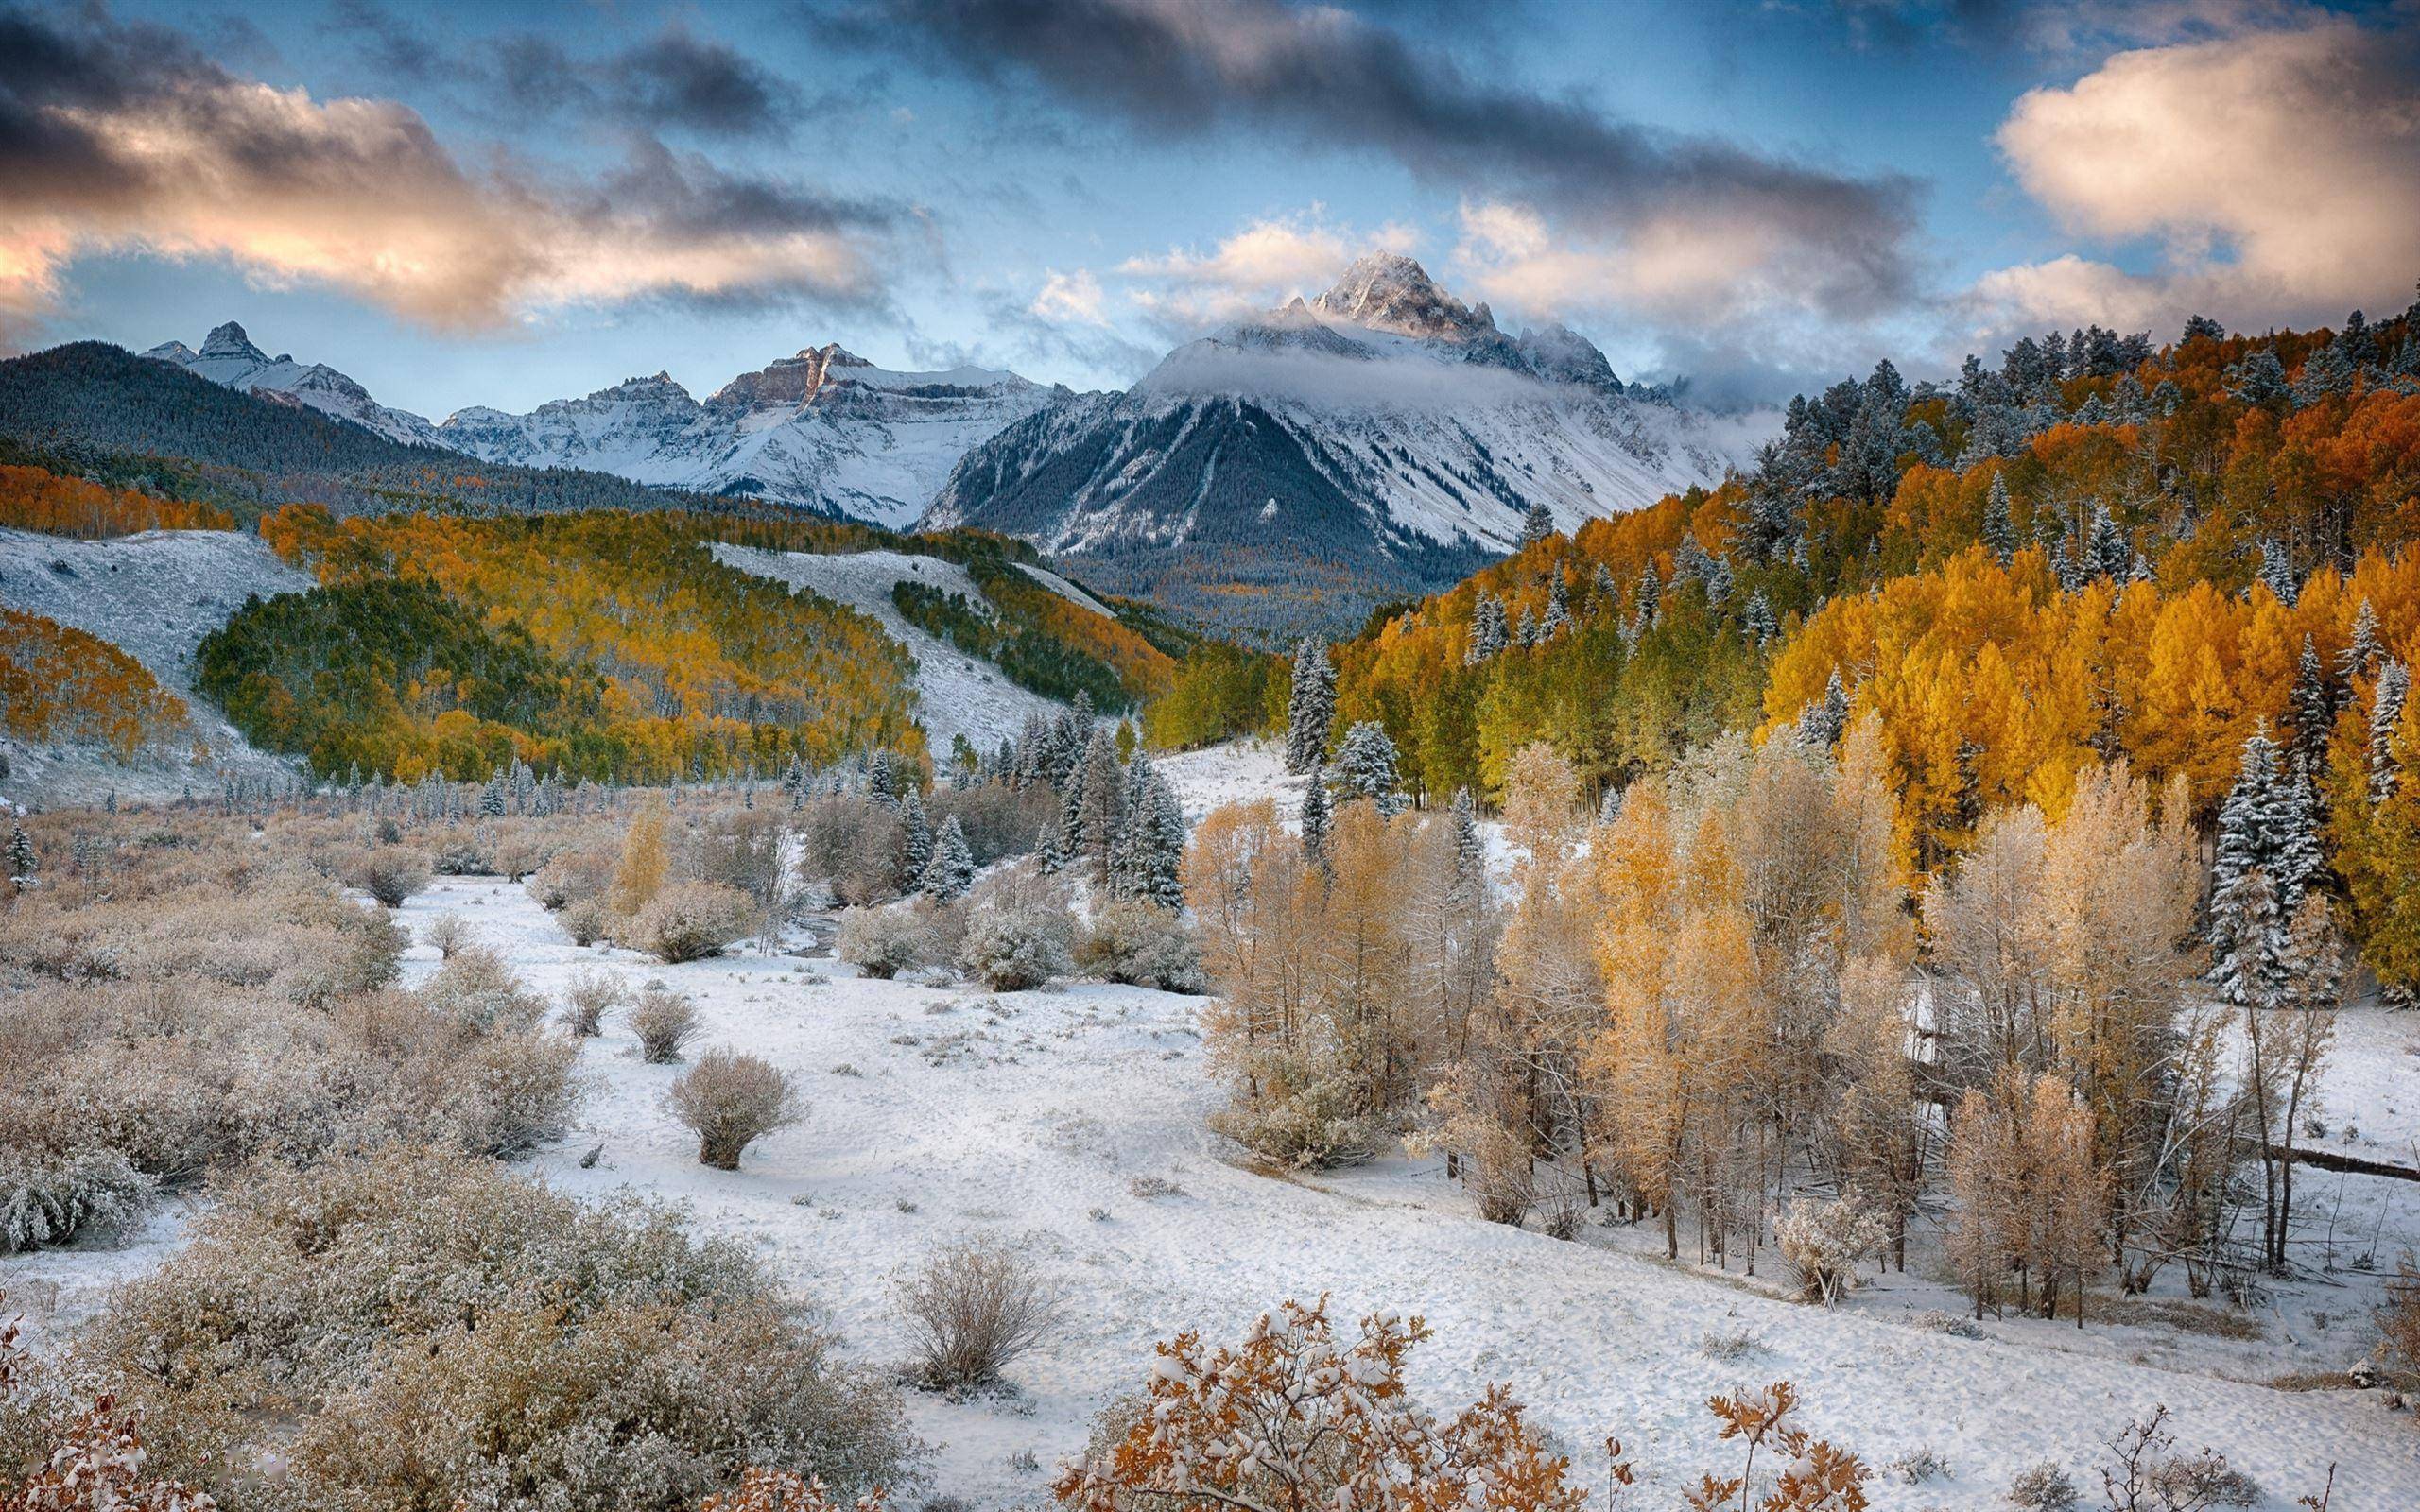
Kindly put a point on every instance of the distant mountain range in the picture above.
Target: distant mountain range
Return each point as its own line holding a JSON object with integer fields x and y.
{"x": 1285, "y": 472}
{"x": 1383, "y": 439}
{"x": 824, "y": 430}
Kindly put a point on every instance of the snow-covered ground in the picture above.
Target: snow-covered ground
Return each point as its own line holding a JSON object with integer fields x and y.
{"x": 155, "y": 596}
{"x": 1066, "y": 590}
{"x": 939, "y": 1112}
{"x": 955, "y": 694}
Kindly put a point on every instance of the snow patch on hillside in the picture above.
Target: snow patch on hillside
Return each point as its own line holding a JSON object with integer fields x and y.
{"x": 1066, "y": 590}
{"x": 955, "y": 694}
{"x": 155, "y": 596}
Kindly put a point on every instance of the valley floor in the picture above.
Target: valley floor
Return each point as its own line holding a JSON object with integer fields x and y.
{"x": 938, "y": 1112}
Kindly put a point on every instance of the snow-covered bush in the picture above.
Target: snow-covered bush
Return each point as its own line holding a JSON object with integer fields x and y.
{"x": 588, "y": 996}
{"x": 48, "y": 1199}
{"x": 389, "y": 873}
{"x": 852, "y": 845}
{"x": 447, "y": 934}
{"x": 689, "y": 921}
{"x": 663, "y": 1020}
{"x": 463, "y": 851}
{"x": 479, "y": 992}
{"x": 973, "y": 1308}
{"x": 451, "y": 1333}
{"x": 730, "y": 1100}
{"x": 763, "y": 1490}
{"x": 1823, "y": 1241}
{"x": 1332, "y": 1424}
{"x": 586, "y": 921}
{"x": 1140, "y": 944}
{"x": 2043, "y": 1487}
{"x": 1296, "y": 1108}
{"x": 883, "y": 942}
{"x": 1019, "y": 931}
{"x": 575, "y": 875}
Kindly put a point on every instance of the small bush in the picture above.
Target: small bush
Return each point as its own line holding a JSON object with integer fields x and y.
{"x": 1149, "y": 1187}
{"x": 1297, "y": 1108}
{"x": 972, "y": 1309}
{"x": 663, "y": 1020}
{"x": 575, "y": 875}
{"x": 479, "y": 992}
{"x": 730, "y": 1100}
{"x": 48, "y": 1199}
{"x": 689, "y": 921}
{"x": 1730, "y": 1343}
{"x": 2043, "y": 1487}
{"x": 448, "y": 933}
{"x": 1918, "y": 1466}
{"x": 882, "y": 942}
{"x": 1825, "y": 1240}
{"x": 1019, "y": 931}
{"x": 587, "y": 998}
{"x": 586, "y": 921}
{"x": 389, "y": 874}
{"x": 1138, "y": 944}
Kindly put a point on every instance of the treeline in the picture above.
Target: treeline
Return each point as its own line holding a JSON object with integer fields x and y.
{"x": 33, "y": 498}
{"x": 601, "y": 644}
{"x": 59, "y": 683}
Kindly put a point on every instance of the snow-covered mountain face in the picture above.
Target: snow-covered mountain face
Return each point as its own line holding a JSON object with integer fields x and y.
{"x": 1384, "y": 438}
{"x": 824, "y": 429}
{"x": 228, "y": 357}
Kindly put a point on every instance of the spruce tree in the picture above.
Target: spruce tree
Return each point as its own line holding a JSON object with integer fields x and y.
{"x": 1470, "y": 846}
{"x": 951, "y": 871}
{"x": 1488, "y": 633}
{"x": 1366, "y": 767}
{"x": 2309, "y": 708}
{"x": 1318, "y": 817}
{"x": 1311, "y": 708}
{"x": 2277, "y": 571}
{"x": 2363, "y": 651}
{"x": 1152, "y": 864}
{"x": 1558, "y": 609}
{"x": 1825, "y": 721}
{"x": 1537, "y": 526}
{"x": 1759, "y": 620}
{"x": 24, "y": 866}
{"x": 916, "y": 853}
{"x": 1649, "y": 605}
{"x": 2110, "y": 555}
{"x": 2386, "y": 715}
{"x": 1102, "y": 810}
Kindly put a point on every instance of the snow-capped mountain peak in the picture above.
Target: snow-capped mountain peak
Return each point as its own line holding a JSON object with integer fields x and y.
{"x": 1388, "y": 291}
{"x": 228, "y": 357}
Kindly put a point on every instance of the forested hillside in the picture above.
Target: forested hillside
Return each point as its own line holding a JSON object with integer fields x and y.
{"x": 2094, "y": 549}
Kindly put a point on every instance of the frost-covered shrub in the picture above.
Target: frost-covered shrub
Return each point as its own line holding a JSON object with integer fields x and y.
{"x": 1139, "y": 944}
{"x": 730, "y": 1100}
{"x": 973, "y": 1308}
{"x": 450, "y": 1332}
{"x": 853, "y": 846}
{"x": 881, "y": 942}
{"x": 447, "y": 934}
{"x": 586, "y": 921}
{"x": 2043, "y": 1487}
{"x": 50, "y": 1198}
{"x": 1918, "y": 1466}
{"x": 1728, "y": 1344}
{"x": 1823, "y": 1241}
{"x": 998, "y": 822}
{"x": 689, "y": 921}
{"x": 521, "y": 851}
{"x": 588, "y": 996}
{"x": 663, "y": 1020}
{"x": 463, "y": 851}
{"x": 1020, "y": 931}
{"x": 389, "y": 873}
{"x": 1297, "y": 1108}
{"x": 477, "y": 991}
{"x": 575, "y": 875}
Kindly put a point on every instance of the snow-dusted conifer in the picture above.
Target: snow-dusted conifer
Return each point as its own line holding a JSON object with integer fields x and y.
{"x": 1319, "y": 817}
{"x": 1536, "y": 526}
{"x": 951, "y": 871}
{"x": 1366, "y": 767}
{"x": 916, "y": 853}
{"x": 1311, "y": 708}
{"x": 2362, "y": 651}
{"x": 1759, "y": 619}
{"x": 2386, "y": 715}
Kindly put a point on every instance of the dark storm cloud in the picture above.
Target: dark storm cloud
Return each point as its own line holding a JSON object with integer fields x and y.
{"x": 1324, "y": 75}
{"x": 675, "y": 80}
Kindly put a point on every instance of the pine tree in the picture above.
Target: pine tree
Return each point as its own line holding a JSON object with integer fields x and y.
{"x": 1102, "y": 810}
{"x": 24, "y": 866}
{"x": 2267, "y": 856}
{"x": 2110, "y": 555}
{"x": 951, "y": 871}
{"x": 1065, "y": 840}
{"x": 1558, "y": 610}
{"x": 1488, "y": 631}
{"x": 2363, "y": 651}
{"x": 1310, "y": 709}
{"x": 1527, "y": 635}
{"x": 2386, "y": 715}
{"x": 882, "y": 780}
{"x": 916, "y": 853}
{"x": 2277, "y": 571}
{"x": 1150, "y": 865}
{"x": 1536, "y": 526}
{"x": 1470, "y": 846}
{"x": 1604, "y": 594}
{"x": 1719, "y": 582}
{"x": 1759, "y": 619}
{"x": 1822, "y": 724}
{"x": 1366, "y": 767}
{"x": 1649, "y": 604}
{"x": 1319, "y": 817}
{"x": 2259, "y": 379}
{"x": 2310, "y": 709}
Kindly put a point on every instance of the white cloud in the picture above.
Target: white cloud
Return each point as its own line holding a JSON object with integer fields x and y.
{"x": 2277, "y": 173}
{"x": 1075, "y": 296}
{"x": 1258, "y": 267}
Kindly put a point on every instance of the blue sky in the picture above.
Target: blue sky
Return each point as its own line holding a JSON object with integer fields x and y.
{"x": 511, "y": 202}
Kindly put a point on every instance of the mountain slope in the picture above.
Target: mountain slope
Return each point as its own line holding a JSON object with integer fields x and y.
{"x": 228, "y": 357}
{"x": 825, "y": 429}
{"x": 1290, "y": 471}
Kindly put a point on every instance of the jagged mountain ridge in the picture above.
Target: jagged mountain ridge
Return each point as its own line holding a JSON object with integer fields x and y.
{"x": 824, "y": 430}
{"x": 228, "y": 357}
{"x": 1381, "y": 439}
